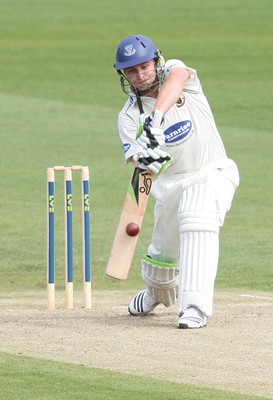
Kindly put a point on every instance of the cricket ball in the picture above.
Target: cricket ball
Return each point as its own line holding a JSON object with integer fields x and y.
{"x": 132, "y": 229}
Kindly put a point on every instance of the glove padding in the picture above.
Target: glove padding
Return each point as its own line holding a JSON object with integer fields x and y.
{"x": 150, "y": 136}
{"x": 155, "y": 160}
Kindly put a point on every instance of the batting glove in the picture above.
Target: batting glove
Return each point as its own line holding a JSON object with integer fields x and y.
{"x": 150, "y": 135}
{"x": 155, "y": 160}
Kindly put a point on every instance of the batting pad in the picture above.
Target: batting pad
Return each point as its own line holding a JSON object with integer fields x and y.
{"x": 199, "y": 241}
{"x": 161, "y": 280}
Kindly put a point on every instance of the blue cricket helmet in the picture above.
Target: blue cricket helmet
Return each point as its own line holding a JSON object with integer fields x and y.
{"x": 134, "y": 50}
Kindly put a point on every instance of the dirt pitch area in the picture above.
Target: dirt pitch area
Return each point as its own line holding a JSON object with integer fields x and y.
{"x": 234, "y": 352}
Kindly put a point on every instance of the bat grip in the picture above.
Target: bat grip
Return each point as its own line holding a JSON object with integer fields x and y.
{"x": 139, "y": 103}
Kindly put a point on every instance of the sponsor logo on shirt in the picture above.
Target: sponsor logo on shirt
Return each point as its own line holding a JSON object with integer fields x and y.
{"x": 126, "y": 147}
{"x": 177, "y": 131}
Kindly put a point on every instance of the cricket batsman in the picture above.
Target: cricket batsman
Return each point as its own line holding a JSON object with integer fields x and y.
{"x": 167, "y": 126}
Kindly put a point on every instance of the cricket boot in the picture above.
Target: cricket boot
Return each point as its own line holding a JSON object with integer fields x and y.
{"x": 142, "y": 304}
{"x": 191, "y": 318}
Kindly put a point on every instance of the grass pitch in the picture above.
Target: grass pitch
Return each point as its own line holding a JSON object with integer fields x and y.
{"x": 25, "y": 378}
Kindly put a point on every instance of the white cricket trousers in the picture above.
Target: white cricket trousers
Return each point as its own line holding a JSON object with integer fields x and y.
{"x": 220, "y": 178}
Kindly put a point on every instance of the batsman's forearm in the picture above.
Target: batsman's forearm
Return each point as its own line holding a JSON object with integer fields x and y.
{"x": 171, "y": 89}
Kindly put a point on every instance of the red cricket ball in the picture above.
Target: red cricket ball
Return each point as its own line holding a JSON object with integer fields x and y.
{"x": 132, "y": 229}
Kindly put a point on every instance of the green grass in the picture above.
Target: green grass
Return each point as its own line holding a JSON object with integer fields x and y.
{"x": 59, "y": 100}
{"x": 46, "y": 380}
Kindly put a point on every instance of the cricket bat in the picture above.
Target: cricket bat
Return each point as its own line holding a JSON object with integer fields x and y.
{"x": 133, "y": 211}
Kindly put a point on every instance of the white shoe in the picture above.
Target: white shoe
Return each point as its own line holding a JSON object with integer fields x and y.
{"x": 142, "y": 304}
{"x": 191, "y": 317}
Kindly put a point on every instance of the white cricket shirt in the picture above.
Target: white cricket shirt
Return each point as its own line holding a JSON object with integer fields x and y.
{"x": 191, "y": 136}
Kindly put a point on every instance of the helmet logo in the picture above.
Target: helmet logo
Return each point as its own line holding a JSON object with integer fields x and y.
{"x": 129, "y": 50}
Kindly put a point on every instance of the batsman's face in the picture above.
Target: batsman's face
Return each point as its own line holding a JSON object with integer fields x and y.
{"x": 142, "y": 76}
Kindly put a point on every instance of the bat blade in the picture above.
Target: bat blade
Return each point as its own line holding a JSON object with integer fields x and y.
{"x": 134, "y": 208}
